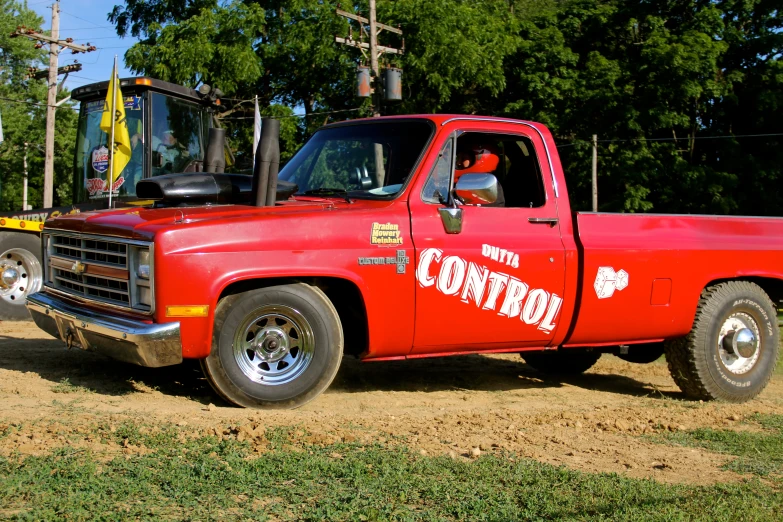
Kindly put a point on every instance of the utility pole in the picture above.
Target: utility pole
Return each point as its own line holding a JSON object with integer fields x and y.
{"x": 54, "y": 51}
{"x": 376, "y": 50}
{"x": 595, "y": 173}
{"x": 24, "y": 189}
{"x": 51, "y": 99}
{"x": 376, "y": 109}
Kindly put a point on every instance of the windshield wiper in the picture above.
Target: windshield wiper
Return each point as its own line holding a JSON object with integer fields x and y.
{"x": 326, "y": 191}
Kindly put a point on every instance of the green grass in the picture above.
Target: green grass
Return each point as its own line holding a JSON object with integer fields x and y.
{"x": 757, "y": 452}
{"x": 206, "y": 478}
{"x": 65, "y": 386}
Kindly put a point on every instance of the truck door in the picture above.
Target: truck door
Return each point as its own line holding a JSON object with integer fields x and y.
{"x": 498, "y": 283}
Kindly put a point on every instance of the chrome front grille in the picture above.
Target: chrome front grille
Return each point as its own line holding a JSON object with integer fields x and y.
{"x": 93, "y": 268}
{"x": 100, "y": 252}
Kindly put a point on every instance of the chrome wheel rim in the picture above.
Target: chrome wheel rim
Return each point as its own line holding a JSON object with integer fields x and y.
{"x": 274, "y": 345}
{"x": 20, "y": 275}
{"x": 739, "y": 343}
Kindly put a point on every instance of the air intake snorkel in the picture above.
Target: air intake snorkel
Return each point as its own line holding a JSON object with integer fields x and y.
{"x": 267, "y": 163}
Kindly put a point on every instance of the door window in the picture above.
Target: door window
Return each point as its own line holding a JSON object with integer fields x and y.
{"x": 439, "y": 182}
{"x": 511, "y": 159}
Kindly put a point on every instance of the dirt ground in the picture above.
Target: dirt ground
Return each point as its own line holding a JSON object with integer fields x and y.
{"x": 457, "y": 406}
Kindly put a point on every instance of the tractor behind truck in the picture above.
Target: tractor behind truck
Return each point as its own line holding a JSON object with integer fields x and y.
{"x": 168, "y": 126}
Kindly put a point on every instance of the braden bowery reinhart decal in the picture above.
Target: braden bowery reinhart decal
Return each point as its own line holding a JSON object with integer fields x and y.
{"x": 472, "y": 282}
{"x": 386, "y": 234}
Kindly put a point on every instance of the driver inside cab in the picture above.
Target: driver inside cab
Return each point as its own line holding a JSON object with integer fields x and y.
{"x": 478, "y": 157}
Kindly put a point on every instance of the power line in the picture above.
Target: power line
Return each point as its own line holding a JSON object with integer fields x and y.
{"x": 89, "y": 28}
{"x": 85, "y": 78}
{"x": 36, "y": 103}
{"x": 293, "y": 115}
{"x": 728, "y": 136}
{"x": 79, "y": 18}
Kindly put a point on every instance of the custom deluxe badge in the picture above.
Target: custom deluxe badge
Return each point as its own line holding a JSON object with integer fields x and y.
{"x": 386, "y": 234}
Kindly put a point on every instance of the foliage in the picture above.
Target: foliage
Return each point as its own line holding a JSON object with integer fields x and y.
{"x": 174, "y": 474}
{"x": 671, "y": 88}
{"x": 759, "y": 452}
{"x": 660, "y": 83}
{"x": 23, "y": 110}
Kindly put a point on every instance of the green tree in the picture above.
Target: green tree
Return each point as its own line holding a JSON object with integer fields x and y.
{"x": 23, "y": 107}
{"x": 661, "y": 83}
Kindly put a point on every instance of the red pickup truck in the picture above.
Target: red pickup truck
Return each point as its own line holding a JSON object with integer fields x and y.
{"x": 408, "y": 237}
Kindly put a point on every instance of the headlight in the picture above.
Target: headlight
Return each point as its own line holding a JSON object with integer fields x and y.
{"x": 143, "y": 268}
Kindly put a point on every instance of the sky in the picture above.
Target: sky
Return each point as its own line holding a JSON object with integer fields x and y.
{"x": 86, "y": 22}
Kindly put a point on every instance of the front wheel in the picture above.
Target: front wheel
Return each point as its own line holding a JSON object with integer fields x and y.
{"x": 732, "y": 349}
{"x": 274, "y": 348}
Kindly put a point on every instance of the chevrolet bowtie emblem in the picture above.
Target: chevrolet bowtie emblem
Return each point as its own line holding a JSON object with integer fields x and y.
{"x": 78, "y": 268}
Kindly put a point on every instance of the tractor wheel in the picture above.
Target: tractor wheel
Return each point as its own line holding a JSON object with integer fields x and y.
{"x": 21, "y": 273}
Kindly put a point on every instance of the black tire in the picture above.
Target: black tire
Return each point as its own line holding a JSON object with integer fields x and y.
{"x": 642, "y": 353}
{"x": 698, "y": 362}
{"x": 304, "y": 326}
{"x": 565, "y": 362}
{"x": 22, "y": 250}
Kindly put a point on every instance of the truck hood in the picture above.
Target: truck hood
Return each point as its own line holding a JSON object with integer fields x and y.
{"x": 143, "y": 223}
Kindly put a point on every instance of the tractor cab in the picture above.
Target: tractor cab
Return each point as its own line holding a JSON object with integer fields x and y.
{"x": 168, "y": 126}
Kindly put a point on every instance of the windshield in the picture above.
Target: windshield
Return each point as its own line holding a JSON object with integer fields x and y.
{"x": 373, "y": 159}
{"x": 92, "y": 153}
{"x": 176, "y": 144}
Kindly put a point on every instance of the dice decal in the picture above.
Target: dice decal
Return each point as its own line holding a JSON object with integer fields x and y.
{"x": 607, "y": 281}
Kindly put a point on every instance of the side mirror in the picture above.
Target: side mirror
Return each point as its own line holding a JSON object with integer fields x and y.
{"x": 477, "y": 189}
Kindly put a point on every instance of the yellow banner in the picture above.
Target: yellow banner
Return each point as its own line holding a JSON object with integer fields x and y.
{"x": 122, "y": 146}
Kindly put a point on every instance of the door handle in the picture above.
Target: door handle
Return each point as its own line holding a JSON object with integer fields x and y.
{"x": 551, "y": 221}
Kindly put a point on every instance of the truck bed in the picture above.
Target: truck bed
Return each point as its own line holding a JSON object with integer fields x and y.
{"x": 641, "y": 275}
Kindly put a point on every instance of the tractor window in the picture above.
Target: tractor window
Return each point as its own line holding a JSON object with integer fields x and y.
{"x": 176, "y": 142}
{"x": 92, "y": 153}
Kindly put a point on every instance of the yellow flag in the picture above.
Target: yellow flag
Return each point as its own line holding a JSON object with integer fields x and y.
{"x": 122, "y": 146}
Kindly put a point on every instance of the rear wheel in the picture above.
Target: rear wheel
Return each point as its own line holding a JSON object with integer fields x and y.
{"x": 566, "y": 362}
{"x": 275, "y": 347}
{"x": 732, "y": 349}
{"x": 21, "y": 272}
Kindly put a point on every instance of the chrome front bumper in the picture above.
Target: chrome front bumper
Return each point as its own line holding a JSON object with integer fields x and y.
{"x": 145, "y": 344}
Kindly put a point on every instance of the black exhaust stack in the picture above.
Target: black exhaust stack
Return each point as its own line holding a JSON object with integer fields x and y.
{"x": 215, "y": 159}
{"x": 267, "y": 163}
